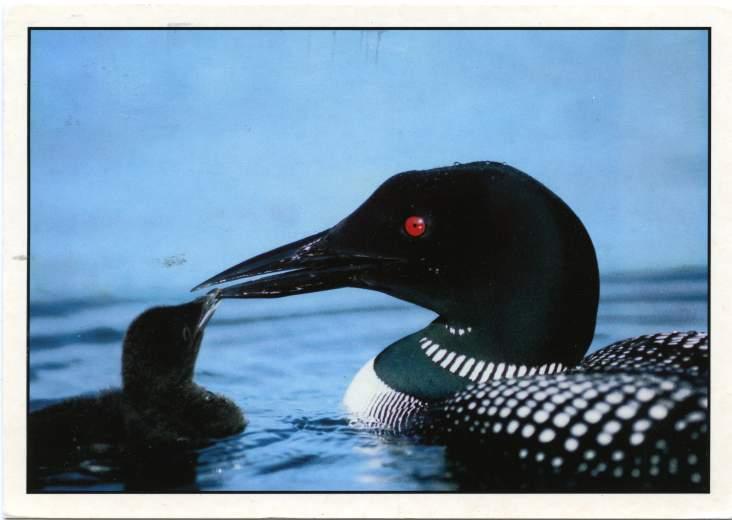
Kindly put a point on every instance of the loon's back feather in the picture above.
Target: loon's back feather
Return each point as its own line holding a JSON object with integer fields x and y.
{"x": 633, "y": 414}
{"x": 684, "y": 353}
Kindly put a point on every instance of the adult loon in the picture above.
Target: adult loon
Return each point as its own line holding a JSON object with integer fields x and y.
{"x": 512, "y": 274}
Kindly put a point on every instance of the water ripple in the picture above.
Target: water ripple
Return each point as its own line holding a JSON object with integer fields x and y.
{"x": 96, "y": 335}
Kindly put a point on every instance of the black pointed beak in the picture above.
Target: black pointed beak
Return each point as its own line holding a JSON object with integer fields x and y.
{"x": 308, "y": 265}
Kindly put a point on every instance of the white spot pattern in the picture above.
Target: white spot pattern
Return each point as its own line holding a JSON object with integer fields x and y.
{"x": 618, "y": 409}
{"x": 602, "y": 410}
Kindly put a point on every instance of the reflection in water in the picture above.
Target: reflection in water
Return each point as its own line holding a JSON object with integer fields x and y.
{"x": 154, "y": 470}
{"x": 486, "y": 471}
{"x": 106, "y": 467}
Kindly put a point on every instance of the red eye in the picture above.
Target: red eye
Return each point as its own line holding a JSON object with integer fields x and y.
{"x": 414, "y": 226}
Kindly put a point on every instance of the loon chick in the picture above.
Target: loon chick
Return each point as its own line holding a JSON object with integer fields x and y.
{"x": 162, "y": 405}
{"x": 512, "y": 274}
{"x": 159, "y": 405}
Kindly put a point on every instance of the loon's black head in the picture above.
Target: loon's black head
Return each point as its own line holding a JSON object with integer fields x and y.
{"x": 482, "y": 244}
{"x": 161, "y": 347}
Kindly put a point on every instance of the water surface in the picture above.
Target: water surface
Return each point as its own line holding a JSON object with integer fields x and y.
{"x": 287, "y": 364}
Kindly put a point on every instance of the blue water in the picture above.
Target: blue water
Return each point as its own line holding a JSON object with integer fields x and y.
{"x": 287, "y": 364}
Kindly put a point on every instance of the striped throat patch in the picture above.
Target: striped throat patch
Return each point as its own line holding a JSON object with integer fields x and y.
{"x": 479, "y": 370}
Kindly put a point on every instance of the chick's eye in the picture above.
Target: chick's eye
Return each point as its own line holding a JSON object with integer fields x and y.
{"x": 415, "y": 226}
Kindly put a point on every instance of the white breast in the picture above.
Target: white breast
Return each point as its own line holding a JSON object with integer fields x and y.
{"x": 374, "y": 404}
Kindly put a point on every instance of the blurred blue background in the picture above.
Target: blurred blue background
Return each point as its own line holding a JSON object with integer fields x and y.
{"x": 161, "y": 157}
